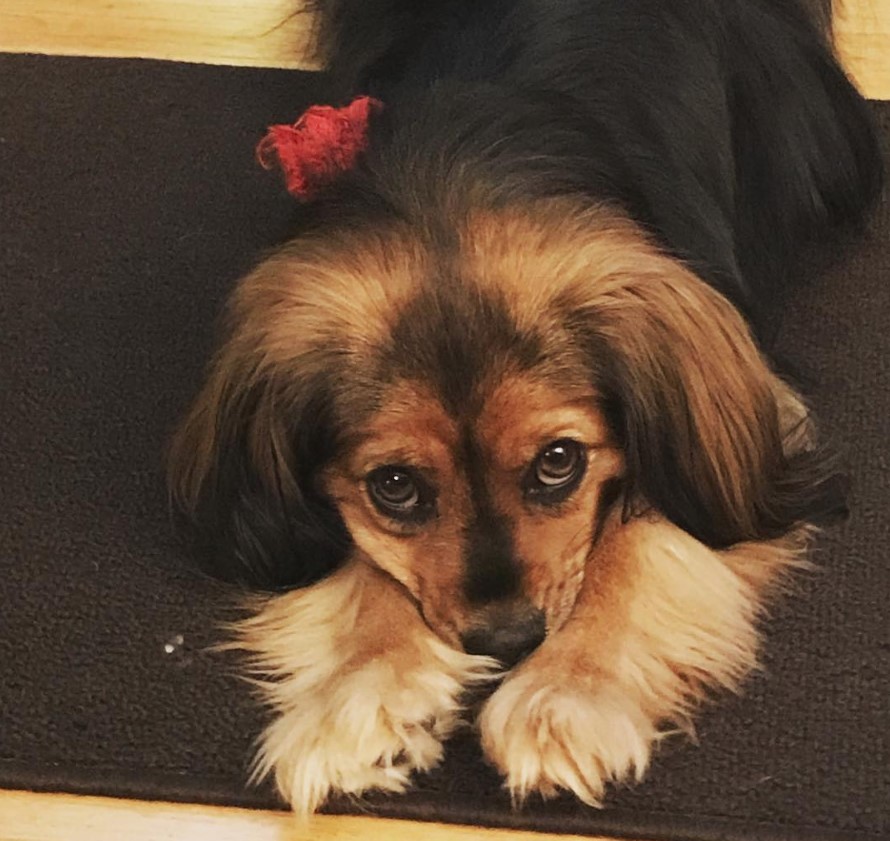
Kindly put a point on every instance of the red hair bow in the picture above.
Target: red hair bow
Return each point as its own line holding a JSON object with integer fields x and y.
{"x": 324, "y": 142}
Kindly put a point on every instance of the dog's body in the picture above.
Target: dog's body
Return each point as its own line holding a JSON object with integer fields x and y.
{"x": 498, "y": 399}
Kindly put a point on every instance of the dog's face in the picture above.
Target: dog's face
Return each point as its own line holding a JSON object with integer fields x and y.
{"x": 464, "y": 411}
{"x": 486, "y": 516}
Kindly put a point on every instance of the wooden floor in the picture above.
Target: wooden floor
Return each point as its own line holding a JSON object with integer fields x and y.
{"x": 862, "y": 29}
{"x": 63, "y": 817}
{"x": 266, "y": 33}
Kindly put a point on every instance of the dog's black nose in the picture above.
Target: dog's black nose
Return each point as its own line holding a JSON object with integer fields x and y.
{"x": 507, "y": 633}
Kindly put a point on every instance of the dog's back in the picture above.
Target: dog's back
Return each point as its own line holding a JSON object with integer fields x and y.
{"x": 728, "y": 128}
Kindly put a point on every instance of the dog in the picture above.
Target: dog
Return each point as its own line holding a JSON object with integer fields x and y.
{"x": 501, "y": 413}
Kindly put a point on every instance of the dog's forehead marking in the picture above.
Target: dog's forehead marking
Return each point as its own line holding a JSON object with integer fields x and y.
{"x": 456, "y": 337}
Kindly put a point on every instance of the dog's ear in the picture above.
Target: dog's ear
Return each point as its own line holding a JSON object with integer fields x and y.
{"x": 243, "y": 471}
{"x": 697, "y": 409}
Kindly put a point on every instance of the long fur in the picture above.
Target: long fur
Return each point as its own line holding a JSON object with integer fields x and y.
{"x": 727, "y": 130}
{"x": 365, "y": 692}
{"x": 575, "y": 718}
{"x": 586, "y": 210}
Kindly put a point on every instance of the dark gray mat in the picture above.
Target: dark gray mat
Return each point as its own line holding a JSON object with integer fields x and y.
{"x": 129, "y": 204}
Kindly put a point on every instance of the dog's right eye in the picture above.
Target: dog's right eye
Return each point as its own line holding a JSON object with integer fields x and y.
{"x": 401, "y": 493}
{"x": 556, "y": 472}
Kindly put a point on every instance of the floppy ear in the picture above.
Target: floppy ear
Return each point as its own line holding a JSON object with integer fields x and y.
{"x": 697, "y": 409}
{"x": 242, "y": 472}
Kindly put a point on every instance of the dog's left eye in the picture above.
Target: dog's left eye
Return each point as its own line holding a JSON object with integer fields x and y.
{"x": 555, "y": 472}
{"x": 401, "y": 493}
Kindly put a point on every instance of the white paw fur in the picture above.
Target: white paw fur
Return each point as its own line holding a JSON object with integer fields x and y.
{"x": 354, "y": 710}
{"x": 545, "y": 738}
{"x": 589, "y": 706}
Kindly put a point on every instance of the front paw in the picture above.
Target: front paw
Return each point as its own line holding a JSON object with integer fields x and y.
{"x": 370, "y": 728}
{"x": 546, "y": 734}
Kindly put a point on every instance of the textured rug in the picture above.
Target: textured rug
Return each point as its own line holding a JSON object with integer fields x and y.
{"x": 129, "y": 204}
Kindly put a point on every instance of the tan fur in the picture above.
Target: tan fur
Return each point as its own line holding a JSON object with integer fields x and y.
{"x": 364, "y": 693}
{"x": 661, "y": 620}
{"x": 339, "y": 296}
{"x": 521, "y": 415}
{"x": 363, "y": 670}
{"x": 519, "y": 418}
{"x": 411, "y": 428}
{"x": 670, "y": 330}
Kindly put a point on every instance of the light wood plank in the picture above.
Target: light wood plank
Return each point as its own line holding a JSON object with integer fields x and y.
{"x": 273, "y": 33}
{"x": 25, "y": 816}
{"x": 862, "y": 33}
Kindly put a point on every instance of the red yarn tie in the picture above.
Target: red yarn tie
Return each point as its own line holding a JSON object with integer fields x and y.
{"x": 323, "y": 143}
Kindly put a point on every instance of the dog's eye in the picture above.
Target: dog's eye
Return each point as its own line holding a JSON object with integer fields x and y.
{"x": 556, "y": 471}
{"x": 400, "y": 493}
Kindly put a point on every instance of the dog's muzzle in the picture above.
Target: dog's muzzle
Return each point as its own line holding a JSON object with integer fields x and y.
{"x": 507, "y": 631}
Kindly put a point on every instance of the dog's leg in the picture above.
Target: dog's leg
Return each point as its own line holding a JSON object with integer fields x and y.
{"x": 660, "y": 620}
{"x": 363, "y": 691}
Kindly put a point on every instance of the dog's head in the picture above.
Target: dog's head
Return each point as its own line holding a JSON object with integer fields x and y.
{"x": 464, "y": 411}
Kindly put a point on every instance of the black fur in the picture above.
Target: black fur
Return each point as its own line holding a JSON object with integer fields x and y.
{"x": 491, "y": 568}
{"x": 725, "y": 127}
{"x": 449, "y": 336}
{"x": 490, "y": 565}
{"x": 269, "y": 531}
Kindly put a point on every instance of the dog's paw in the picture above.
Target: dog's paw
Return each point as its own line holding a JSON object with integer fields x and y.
{"x": 368, "y": 728}
{"x": 545, "y": 736}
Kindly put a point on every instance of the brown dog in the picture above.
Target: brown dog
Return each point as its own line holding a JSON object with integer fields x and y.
{"x": 497, "y": 403}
